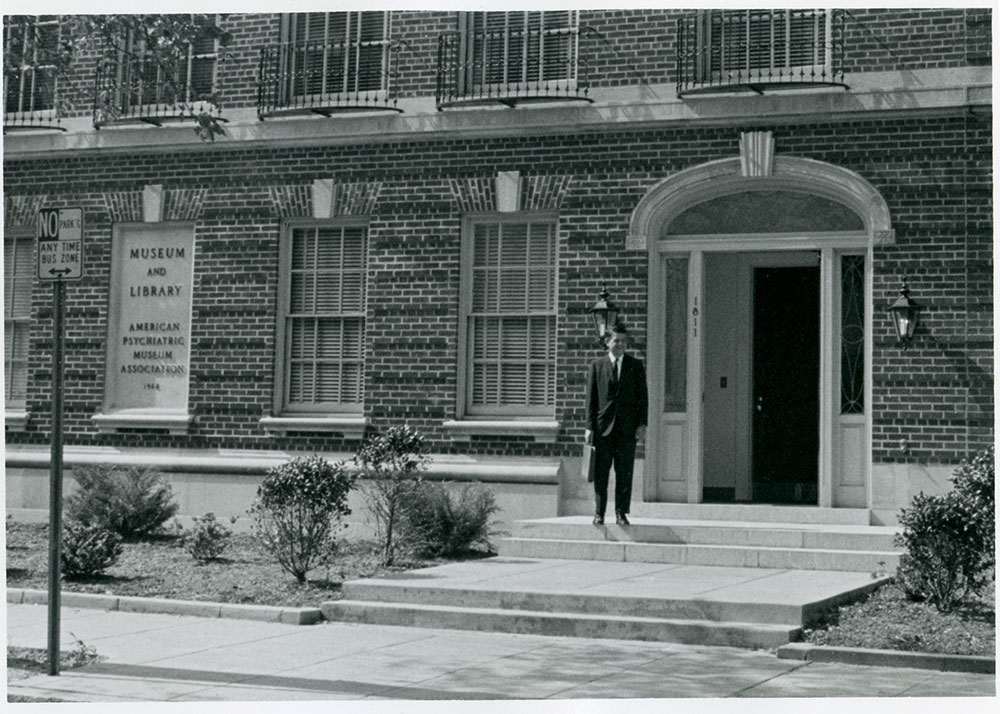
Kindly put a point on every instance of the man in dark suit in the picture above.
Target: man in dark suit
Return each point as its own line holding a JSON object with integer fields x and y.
{"x": 616, "y": 420}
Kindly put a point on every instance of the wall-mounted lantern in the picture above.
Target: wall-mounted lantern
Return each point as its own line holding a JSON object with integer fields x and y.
{"x": 904, "y": 313}
{"x": 605, "y": 314}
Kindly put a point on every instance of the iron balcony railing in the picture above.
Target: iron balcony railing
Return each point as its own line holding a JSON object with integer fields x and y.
{"x": 513, "y": 66}
{"x": 740, "y": 50}
{"x": 328, "y": 77}
{"x": 145, "y": 87}
{"x": 30, "y": 99}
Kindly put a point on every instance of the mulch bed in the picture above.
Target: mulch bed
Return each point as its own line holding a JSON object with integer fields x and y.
{"x": 888, "y": 620}
{"x": 161, "y": 567}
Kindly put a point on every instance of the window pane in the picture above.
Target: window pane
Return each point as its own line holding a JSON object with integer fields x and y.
{"x": 764, "y": 41}
{"x": 675, "y": 308}
{"x": 513, "y": 384}
{"x": 523, "y": 47}
{"x": 513, "y": 289}
{"x": 852, "y": 335}
{"x": 19, "y": 271}
{"x": 514, "y": 345}
{"x": 325, "y": 317}
{"x": 327, "y": 382}
{"x": 336, "y": 52}
{"x": 353, "y": 344}
{"x": 512, "y": 335}
{"x": 303, "y": 292}
{"x": 328, "y": 292}
{"x": 32, "y": 43}
{"x": 16, "y": 348}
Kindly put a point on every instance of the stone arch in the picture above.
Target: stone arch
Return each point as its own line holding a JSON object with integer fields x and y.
{"x": 715, "y": 179}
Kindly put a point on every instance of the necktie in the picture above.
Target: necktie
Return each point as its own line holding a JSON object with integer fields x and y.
{"x": 614, "y": 373}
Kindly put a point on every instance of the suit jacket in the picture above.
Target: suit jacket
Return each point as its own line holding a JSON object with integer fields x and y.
{"x": 623, "y": 402}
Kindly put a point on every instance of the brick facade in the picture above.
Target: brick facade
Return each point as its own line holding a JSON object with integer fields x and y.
{"x": 933, "y": 169}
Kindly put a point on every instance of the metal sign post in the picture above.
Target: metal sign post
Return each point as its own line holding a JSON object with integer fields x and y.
{"x": 60, "y": 258}
{"x": 55, "y": 480}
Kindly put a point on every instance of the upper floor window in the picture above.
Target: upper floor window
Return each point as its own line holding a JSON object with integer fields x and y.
{"x": 31, "y": 47}
{"x": 138, "y": 82}
{"x": 322, "y": 318}
{"x": 757, "y": 48}
{"x": 520, "y": 48}
{"x": 332, "y": 52}
{"x": 18, "y": 275}
{"x": 509, "y": 316}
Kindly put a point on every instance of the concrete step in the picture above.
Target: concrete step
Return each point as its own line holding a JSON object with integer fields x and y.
{"x": 693, "y": 554}
{"x": 739, "y": 533}
{"x": 602, "y": 626}
{"x": 745, "y": 607}
{"x": 686, "y": 608}
{"x": 732, "y": 512}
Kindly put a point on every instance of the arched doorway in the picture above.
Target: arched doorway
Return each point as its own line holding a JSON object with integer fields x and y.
{"x": 759, "y": 333}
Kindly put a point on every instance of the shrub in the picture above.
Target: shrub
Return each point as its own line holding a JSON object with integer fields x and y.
{"x": 975, "y": 486}
{"x": 392, "y": 464}
{"x": 132, "y": 502}
{"x": 434, "y": 523}
{"x": 297, "y": 508}
{"x": 88, "y": 549}
{"x": 207, "y": 538}
{"x": 949, "y": 539}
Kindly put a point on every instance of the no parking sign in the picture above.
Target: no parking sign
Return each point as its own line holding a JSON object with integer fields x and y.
{"x": 60, "y": 244}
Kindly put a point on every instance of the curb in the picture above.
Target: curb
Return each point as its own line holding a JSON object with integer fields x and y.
{"x": 971, "y": 664}
{"x": 263, "y": 613}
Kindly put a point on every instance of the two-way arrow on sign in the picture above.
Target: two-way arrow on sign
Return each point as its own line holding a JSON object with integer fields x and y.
{"x": 60, "y": 271}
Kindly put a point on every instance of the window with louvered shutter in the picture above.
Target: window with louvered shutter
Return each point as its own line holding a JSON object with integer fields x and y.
{"x": 324, "y": 318}
{"x": 18, "y": 277}
{"x": 522, "y": 48}
{"x": 337, "y": 52}
{"x": 764, "y": 42}
{"x": 511, "y": 346}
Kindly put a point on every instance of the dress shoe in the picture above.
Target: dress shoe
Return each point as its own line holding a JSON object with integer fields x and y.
{"x": 621, "y": 520}
{"x": 598, "y": 520}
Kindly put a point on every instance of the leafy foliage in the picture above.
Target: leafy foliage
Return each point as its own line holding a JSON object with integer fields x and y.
{"x": 392, "y": 464}
{"x": 975, "y": 487}
{"x": 207, "y": 538}
{"x": 435, "y": 524}
{"x": 298, "y": 507}
{"x": 132, "y": 501}
{"x": 949, "y": 539}
{"x": 88, "y": 549}
{"x": 164, "y": 39}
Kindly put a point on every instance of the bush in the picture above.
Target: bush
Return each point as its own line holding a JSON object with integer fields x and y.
{"x": 949, "y": 539}
{"x": 436, "y": 524}
{"x": 132, "y": 502}
{"x": 88, "y": 549}
{"x": 975, "y": 487}
{"x": 392, "y": 464}
{"x": 207, "y": 538}
{"x": 297, "y": 508}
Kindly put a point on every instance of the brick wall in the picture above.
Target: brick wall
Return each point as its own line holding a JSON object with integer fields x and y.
{"x": 935, "y": 174}
{"x": 627, "y": 47}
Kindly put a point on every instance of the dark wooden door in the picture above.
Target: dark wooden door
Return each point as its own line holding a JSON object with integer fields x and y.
{"x": 785, "y": 404}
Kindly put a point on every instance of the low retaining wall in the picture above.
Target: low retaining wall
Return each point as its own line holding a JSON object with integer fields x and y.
{"x": 225, "y": 482}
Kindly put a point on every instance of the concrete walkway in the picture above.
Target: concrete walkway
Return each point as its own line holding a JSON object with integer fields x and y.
{"x": 170, "y": 658}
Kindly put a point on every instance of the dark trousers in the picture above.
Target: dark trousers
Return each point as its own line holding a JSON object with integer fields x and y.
{"x": 620, "y": 451}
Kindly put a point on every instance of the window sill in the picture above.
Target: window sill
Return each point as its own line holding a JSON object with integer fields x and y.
{"x": 16, "y": 419}
{"x": 463, "y": 430}
{"x": 350, "y": 427}
{"x": 173, "y": 423}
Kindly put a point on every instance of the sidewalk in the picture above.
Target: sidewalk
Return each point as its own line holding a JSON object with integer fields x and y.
{"x": 169, "y": 658}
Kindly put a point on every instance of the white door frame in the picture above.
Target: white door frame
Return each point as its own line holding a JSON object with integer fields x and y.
{"x": 672, "y": 196}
